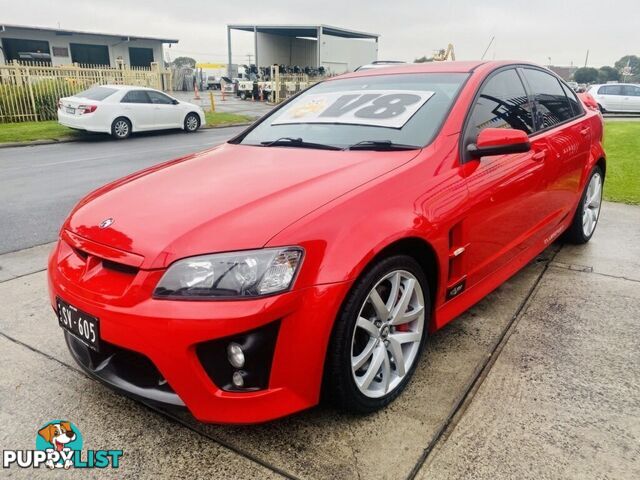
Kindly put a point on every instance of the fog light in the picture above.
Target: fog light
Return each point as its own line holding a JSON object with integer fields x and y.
{"x": 237, "y": 379}
{"x": 235, "y": 356}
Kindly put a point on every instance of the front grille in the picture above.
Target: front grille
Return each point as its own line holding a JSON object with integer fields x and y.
{"x": 125, "y": 370}
{"x": 119, "y": 267}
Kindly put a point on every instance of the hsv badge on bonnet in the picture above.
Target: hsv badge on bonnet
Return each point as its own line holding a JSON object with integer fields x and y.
{"x": 107, "y": 222}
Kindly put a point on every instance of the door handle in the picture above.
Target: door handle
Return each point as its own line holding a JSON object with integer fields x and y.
{"x": 585, "y": 131}
{"x": 539, "y": 155}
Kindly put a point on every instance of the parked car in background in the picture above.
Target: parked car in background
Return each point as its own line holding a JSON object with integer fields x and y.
{"x": 617, "y": 97}
{"x": 121, "y": 110}
{"x": 213, "y": 82}
{"x": 329, "y": 240}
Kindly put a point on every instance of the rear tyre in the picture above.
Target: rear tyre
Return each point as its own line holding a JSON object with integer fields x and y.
{"x": 587, "y": 214}
{"x": 121, "y": 128}
{"x": 378, "y": 336}
{"x": 243, "y": 95}
{"x": 602, "y": 110}
{"x": 191, "y": 123}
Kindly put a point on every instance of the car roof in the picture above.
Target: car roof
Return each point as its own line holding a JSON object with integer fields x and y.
{"x": 125, "y": 87}
{"x": 435, "y": 67}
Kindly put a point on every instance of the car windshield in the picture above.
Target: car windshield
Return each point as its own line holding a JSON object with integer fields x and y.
{"x": 96, "y": 93}
{"x": 403, "y": 109}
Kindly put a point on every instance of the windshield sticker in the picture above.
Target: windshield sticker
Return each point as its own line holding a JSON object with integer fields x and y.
{"x": 380, "y": 108}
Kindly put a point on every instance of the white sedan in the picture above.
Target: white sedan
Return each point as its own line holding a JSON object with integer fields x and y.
{"x": 617, "y": 97}
{"x": 122, "y": 109}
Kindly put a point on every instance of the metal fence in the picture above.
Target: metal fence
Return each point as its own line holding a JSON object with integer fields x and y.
{"x": 30, "y": 91}
{"x": 286, "y": 85}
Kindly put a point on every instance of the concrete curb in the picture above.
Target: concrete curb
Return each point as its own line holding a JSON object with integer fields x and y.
{"x": 53, "y": 141}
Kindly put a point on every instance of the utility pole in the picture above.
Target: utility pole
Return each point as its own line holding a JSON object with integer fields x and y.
{"x": 586, "y": 59}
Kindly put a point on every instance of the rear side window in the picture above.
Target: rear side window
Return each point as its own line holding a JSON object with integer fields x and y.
{"x": 610, "y": 90}
{"x": 96, "y": 93}
{"x": 502, "y": 103}
{"x": 136, "y": 96}
{"x": 551, "y": 104}
{"x": 631, "y": 91}
{"x": 576, "y": 105}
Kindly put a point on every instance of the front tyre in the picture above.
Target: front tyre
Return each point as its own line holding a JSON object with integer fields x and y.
{"x": 191, "y": 123}
{"x": 587, "y": 214}
{"x": 121, "y": 128}
{"x": 378, "y": 337}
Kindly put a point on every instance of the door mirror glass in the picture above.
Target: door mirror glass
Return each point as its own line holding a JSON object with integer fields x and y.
{"x": 499, "y": 141}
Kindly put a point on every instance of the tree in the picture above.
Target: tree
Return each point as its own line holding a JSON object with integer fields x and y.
{"x": 180, "y": 62}
{"x": 423, "y": 59}
{"x": 586, "y": 75}
{"x": 608, "y": 74}
{"x": 631, "y": 61}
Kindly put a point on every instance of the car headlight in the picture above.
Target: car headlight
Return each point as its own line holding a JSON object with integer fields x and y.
{"x": 250, "y": 273}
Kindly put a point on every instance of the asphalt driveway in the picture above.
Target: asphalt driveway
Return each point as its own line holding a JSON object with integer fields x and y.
{"x": 41, "y": 183}
{"x": 539, "y": 380}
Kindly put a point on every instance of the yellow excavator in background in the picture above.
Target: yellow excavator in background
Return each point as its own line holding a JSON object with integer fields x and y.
{"x": 444, "y": 54}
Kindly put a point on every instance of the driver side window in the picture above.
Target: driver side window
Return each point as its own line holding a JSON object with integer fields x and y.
{"x": 159, "y": 98}
{"x": 502, "y": 103}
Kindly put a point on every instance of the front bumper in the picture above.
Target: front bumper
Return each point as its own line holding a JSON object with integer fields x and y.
{"x": 167, "y": 333}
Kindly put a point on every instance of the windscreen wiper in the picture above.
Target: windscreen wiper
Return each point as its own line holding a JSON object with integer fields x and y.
{"x": 386, "y": 145}
{"x": 297, "y": 142}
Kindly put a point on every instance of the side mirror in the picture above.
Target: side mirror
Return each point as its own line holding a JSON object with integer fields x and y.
{"x": 175, "y": 102}
{"x": 499, "y": 141}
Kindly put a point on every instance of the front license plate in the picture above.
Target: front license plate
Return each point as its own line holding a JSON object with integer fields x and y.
{"x": 81, "y": 325}
{"x": 70, "y": 110}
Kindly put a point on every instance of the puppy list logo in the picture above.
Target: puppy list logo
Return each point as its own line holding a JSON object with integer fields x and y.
{"x": 59, "y": 445}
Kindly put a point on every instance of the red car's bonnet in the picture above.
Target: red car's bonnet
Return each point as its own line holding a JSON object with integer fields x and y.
{"x": 231, "y": 198}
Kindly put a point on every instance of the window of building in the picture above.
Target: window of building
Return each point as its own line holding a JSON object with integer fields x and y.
{"x": 140, "y": 57}
{"x": 26, "y": 50}
{"x": 87, "y": 54}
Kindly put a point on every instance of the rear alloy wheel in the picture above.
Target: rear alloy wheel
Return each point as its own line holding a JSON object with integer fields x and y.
{"x": 191, "y": 123}
{"x": 121, "y": 128}
{"x": 587, "y": 214}
{"x": 379, "y": 336}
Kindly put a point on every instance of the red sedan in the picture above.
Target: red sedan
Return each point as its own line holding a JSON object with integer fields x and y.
{"x": 316, "y": 251}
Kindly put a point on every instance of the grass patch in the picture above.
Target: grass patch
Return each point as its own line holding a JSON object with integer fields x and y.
{"x": 29, "y": 131}
{"x": 622, "y": 145}
{"x": 52, "y": 130}
{"x": 216, "y": 119}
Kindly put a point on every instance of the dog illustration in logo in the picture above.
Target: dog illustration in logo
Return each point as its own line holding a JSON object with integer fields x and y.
{"x": 58, "y": 435}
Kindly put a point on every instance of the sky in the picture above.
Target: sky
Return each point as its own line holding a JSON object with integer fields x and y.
{"x": 557, "y": 32}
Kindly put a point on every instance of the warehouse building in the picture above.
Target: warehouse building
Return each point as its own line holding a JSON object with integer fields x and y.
{"x": 338, "y": 50}
{"x": 56, "y": 46}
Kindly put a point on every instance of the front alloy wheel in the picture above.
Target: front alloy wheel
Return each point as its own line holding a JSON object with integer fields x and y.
{"x": 585, "y": 220}
{"x": 591, "y": 206}
{"x": 388, "y": 333}
{"x": 378, "y": 336}
{"x": 191, "y": 123}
